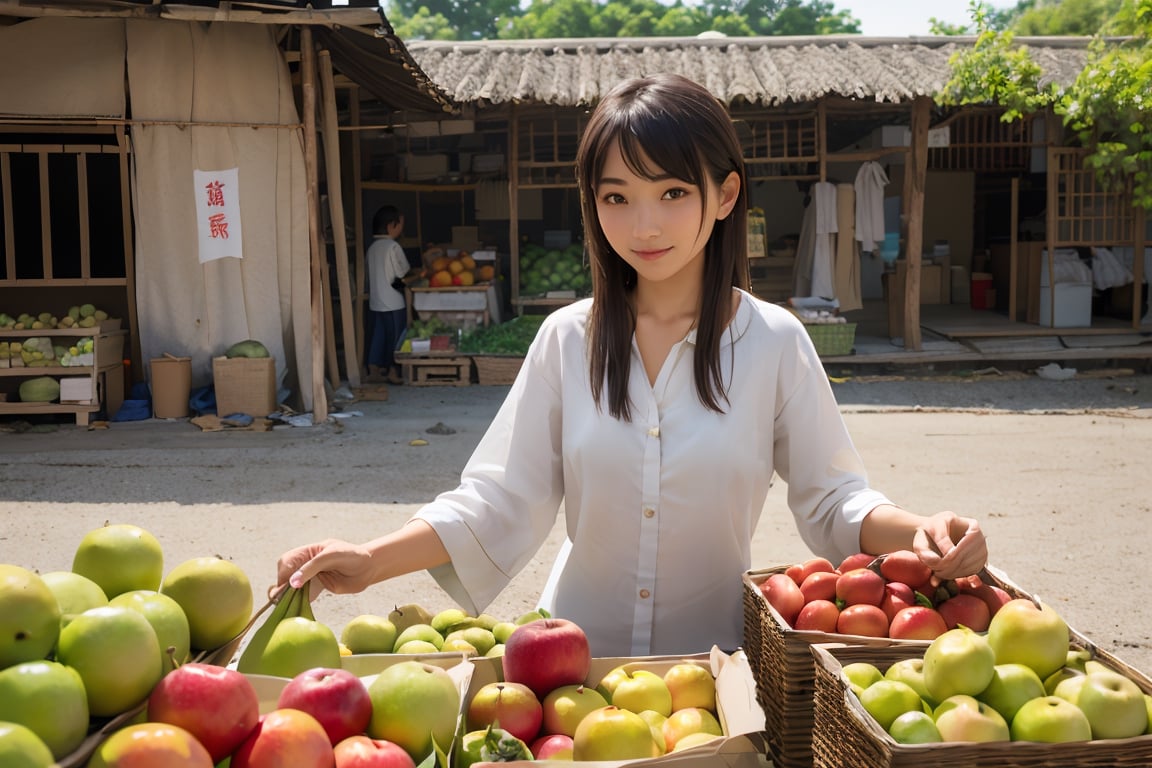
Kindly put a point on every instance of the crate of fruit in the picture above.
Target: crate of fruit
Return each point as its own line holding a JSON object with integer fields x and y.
{"x": 789, "y": 608}
{"x": 1090, "y": 712}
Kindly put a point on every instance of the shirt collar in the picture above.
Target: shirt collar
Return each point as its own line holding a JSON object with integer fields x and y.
{"x": 737, "y": 327}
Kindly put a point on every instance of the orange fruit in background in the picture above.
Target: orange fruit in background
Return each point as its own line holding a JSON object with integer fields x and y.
{"x": 455, "y": 266}
{"x": 464, "y": 278}
{"x": 467, "y": 261}
{"x": 486, "y": 272}
{"x": 441, "y": 279}
{"x": 439, "y": 263}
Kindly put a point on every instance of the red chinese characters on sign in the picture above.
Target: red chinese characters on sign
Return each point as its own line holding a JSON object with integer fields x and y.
{"x": 217, "y": 222}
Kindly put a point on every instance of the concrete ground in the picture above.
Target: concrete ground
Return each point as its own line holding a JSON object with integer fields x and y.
{"x": 1057, "y": 471}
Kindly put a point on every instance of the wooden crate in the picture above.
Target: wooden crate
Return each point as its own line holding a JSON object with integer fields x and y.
{"x": 446, "y": 370}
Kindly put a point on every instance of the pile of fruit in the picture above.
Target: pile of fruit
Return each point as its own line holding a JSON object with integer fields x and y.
{"x": 78, "y": 316}
{"x": 40, "y": 352}
{"x": 1022, "y": 680}
{"x": 460, "y": 270}
{"x": 553, "y": 269}
{"x": 892, "y": 596}
{"x": 83, "y": 647}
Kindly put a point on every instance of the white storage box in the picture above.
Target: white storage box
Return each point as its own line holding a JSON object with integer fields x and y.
{"x": 1073, "y": 306}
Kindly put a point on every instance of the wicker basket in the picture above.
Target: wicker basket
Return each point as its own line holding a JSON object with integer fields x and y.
{"x": 832, "y": 339}
{"x": 497, "y": 369}
{"x": 846, "y": 736}
{"x": 781, "y": 660}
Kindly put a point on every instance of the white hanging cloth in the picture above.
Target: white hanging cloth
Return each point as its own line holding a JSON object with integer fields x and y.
{"x": 814, "y": 272}
{"x": 870, "y": 183}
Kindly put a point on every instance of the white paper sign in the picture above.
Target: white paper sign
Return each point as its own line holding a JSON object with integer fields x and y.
{"x": 218, "y": 214}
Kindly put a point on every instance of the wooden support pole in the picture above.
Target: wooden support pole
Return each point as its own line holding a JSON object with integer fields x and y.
{"x": 336, "y": 214}
{"x": 1139, "y": 226}
{"x": 914, "y": 185}
{"x": 136, "y": 354}
{"x": 358, "y": 218}
{"x": 308, "y": 97}
{"x": 1014, "y": 250}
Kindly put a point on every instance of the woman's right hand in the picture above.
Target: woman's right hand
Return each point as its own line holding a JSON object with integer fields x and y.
{"x": 338, "y": 566}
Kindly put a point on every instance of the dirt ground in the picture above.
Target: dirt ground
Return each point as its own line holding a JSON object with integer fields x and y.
{"x": 1057, "y": 471}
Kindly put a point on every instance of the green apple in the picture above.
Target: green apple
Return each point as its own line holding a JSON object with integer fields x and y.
{"x": 1011, "y": 686}
{"x": 656, "y": 722}
{"x": 958, "y": 661}
{"x": 886, "y": 700}
{"x": 911, "y": 671}
{"x": 685, "y": 722}
{"x": 425, "y": 632}
{"x": 980, "y": 723}
{"x": 611, "y": 733}
{"x": 116, "y": 652}
{"x": 502, "y": 629}
{"x": 695, "y": 740}
{"x": 452, "y": 644}
{"x": 691, "y": 685}
{"x": 914, "y": 728}
{"x": 479, "y": 638}
{"x": 29, "y": 616}
{"x": 417, "y": 648}
{"x": 1148, "y": 704}
{"x": 74, "y": 593}
{"x": 167, "y": 619}
{"x": 120, "y": 558}
{"x": 485, "y": 621}
{"x": 216, "y": 596}
{"x": 445, "y": 621}
{"x": 414, "y": 705}
{"x": 48, "y": 698}
{"x": 1069, "y": 688}
{"x": 530, "y": 616}
{"x": 1078, "y": 658}
{"x": 1114, "y": 705}
{"x": 609, "y": 682}
{"x": 642, "y": 690}
{"x": 298, "y": 644}
{"x": 21, "y": 748}
{"x": 495, "y": 651}
{"x": 404, "y": 616}
{"x": 1021, "y": 633}
{"x": 1052, "y": 720}
{"x": 1058, "y": 677}
{"x": 566, "y": 706}
{"x": 368, "y": 633}
{"x": 959, "y": 700}
{"x": 862, "y": 673}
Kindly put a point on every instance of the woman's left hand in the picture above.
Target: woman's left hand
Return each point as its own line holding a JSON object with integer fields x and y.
{"x": 953, "y": 547}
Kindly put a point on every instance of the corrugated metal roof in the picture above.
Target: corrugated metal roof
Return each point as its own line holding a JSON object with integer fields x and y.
{"x": 764, "y": 71}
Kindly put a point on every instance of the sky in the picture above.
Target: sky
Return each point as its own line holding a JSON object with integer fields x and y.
{"x": 900, "y": 18}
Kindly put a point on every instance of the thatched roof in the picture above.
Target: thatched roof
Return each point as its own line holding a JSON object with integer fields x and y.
{"x": 764, "y": 71}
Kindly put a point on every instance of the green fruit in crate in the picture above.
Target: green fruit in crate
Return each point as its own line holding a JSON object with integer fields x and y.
{"x": 87, "y": 310}
{"x": 299, "y": 644}
{"x": 29, "y": 616}
{"x": 246, "y": 348}
{"x": 49, "y": 698}
{"x": 216, "y": 596}
{"x": 116, "y": 652}
{"x": 21, "y": 748}
{"x": 120, "y": 558}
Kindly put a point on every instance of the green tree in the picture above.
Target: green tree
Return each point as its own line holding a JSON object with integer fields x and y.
{"x": 1065, "y": 17}
{"x": 423, "y": 25}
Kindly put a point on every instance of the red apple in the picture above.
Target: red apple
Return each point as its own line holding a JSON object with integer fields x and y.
{"x": 820, "y": 585}
{"x": 150, "y": 744}
{"x": 854, "y": 561}
{"x": 860, "y": 587}
{"x": 363, "y": 752}
{"x": 965, "y": 609}
{"x": 217, "y": 705}
{"x": 801, "y": 571}
{"x": 784, "y": 595}
{"x": 905, "y": 565}
{"x": 335, "y": 697}
{"x": 511, "y": 706}
{"x": 994, "y": 597}
{"x": 554, "y": 746}
{"x": 897, "y": 595}
{"x": 917, "y": 622}
{"x": 862, "y": 619}
{"x": 818, "y": 616}
{"x": 546, "y": 654}
{"x": 285, "y": 738}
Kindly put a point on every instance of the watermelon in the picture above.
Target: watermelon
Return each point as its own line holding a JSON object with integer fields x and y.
{"x": 246, "y": 348}
{"x": 42, "y": 389}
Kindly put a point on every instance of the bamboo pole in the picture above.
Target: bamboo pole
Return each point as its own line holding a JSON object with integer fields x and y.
{"x": 358, "y": 217}
{"x": 308, "y": 94}
{"x": 136, "y": 354}
{"x": 914, "y": 185}
{"x": 336, "y": 214}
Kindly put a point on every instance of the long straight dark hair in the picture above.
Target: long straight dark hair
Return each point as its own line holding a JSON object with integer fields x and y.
{"x": 663, "y": 124}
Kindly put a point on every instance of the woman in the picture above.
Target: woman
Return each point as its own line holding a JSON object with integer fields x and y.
{"x": 656, "y": 412}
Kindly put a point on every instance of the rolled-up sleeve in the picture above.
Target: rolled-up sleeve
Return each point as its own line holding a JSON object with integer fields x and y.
{"x": 510, "y": 491}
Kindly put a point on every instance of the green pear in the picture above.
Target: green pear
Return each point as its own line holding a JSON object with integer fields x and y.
{"x": 425, "y": 632}
{"x": 479, "y": 638}
{"x": 298, "y": 644}
{"x": 368, "y": 633}
{"x": 445, "y": 621}
{"x": 404, "y": 616}
{"x": 502, "y": 629}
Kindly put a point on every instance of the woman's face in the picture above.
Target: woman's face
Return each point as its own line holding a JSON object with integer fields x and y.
{"x": 660, "y": 226}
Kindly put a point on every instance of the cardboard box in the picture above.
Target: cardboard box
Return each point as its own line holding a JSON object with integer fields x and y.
{"x": 1073, "y": 306}
{"x": 76, "y": 389}
{"x": 244, "y": 385}
{"x": 426, "y": 167}
{"x": 739, "y": 714}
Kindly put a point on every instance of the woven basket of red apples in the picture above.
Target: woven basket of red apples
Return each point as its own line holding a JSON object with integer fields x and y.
{"x": 863, "y": 601}
{"x": 1028, "y": 693}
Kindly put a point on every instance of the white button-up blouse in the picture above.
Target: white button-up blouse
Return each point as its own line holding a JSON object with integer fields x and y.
{"x": 659, "y": 511}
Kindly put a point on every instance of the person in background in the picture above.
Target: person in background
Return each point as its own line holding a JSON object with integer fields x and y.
{"x": 388, "y": 270}
{"x": 656, "y": 412}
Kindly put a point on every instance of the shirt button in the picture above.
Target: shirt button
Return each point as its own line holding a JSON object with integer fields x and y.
{"x": 649, "y": 512}
{"x": 654, "y": 432}
{"x": 645, "y": 594}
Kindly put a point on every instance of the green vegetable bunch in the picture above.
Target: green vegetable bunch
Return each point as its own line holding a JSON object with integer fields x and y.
{"x": 509, "y": 338}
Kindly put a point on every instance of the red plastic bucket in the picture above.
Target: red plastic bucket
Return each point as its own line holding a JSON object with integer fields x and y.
{"x": 982, "y": 291}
